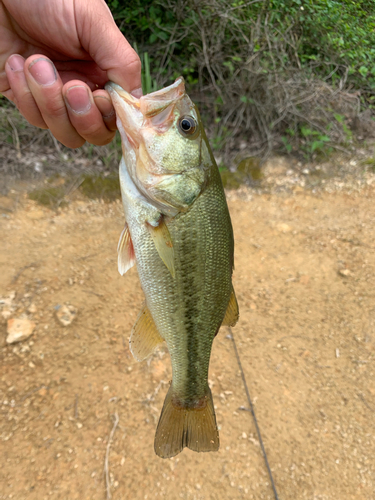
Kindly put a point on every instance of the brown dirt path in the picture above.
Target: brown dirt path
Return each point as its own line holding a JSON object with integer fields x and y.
{"x": 305, "y": 276}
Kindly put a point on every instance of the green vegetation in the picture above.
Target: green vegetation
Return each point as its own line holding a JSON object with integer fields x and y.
{"x": 326, "y": 32}
{"x": 51, "y": 197}
{"x": 278, "y": 75}
{"x": 276, "y": 71}
{"x": 57, "y": 191}
{"x": 98, "y": 187}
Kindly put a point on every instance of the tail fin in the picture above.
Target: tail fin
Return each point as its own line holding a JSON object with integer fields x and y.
{"x": 192, "y": 427}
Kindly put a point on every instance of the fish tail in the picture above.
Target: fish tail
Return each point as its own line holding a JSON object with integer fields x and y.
{"x": 191, "y": 426}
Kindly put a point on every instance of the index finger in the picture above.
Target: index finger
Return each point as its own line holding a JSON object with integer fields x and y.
{"x": 107, "y": 46}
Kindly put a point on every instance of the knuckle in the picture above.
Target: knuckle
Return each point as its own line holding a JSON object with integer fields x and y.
{"x": 94, "y": 129}
{"x": 73, "y": 143}
{"x": 37, "y": 122}
{"x": 54, "y": 108}
{"x": 29, "y": 110}
{"x": 103, "y": 140}
{"x": 134, "y": 64}
{"x": 96, "y": 133}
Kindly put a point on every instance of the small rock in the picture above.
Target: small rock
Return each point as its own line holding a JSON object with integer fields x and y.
{"x": 38, "y": 167}
{"x": 7, "y": 301}
{"x": 19, "y": 329}
{"x": 283, "y": 227}
{"x": 304, "y": 279}
{"x": 31, "y": 308}
{"x": 7, "y": 305}
{"x": 345, "y": 272}
{"x": 66, "y": 314}
{"x": 6, "y": 313}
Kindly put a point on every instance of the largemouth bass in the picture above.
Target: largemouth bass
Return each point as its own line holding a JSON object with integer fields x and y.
{"x": 178, "y": 231}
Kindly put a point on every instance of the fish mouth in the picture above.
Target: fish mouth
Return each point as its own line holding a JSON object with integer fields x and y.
{"x": 129, "y": 117}
{"x": 132, "y": 112}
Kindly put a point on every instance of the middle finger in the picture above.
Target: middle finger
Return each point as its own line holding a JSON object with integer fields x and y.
{"x": 90, "y": 115}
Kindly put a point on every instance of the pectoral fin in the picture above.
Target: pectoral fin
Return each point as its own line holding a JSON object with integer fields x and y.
{"x": 144, "y": 337}
{"x": 232, "y": 314}
{"x": 163, "y": 243}
{"x": 125, "y": 251}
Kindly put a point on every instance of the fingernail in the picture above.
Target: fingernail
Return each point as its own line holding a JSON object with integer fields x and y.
{"x": 78, "y": 99}
{"x": 16, "y": 62}
{"x": 137, "y": 93}
{"x": 43, "y": 71}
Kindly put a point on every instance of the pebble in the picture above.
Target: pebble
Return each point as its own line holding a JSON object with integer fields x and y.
{"x": 66, "y": 314}
{"x": 7, "y": 305}
{"x": 19, "y": 329}
{"x": 7, "y": 301}
{"x": 32, "y": 308}
{"x": 6, "y": 313}
{"x": 345, "y": 272}
{"x": 283, "y": 227}
{"x": 38, "y": 167}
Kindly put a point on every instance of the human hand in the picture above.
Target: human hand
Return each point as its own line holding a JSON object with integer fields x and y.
{"x": 55, "y": 58}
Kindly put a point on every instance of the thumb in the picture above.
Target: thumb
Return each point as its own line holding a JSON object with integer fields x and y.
{"x": 107, "y": 46}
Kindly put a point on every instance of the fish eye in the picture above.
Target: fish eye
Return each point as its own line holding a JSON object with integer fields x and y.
{"x": 187, "y": 125}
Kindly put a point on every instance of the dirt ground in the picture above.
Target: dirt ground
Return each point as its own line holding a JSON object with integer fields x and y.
{"x": 304, "y": 277}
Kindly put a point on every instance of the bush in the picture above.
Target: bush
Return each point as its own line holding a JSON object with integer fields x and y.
{"x": 269, "y": 69}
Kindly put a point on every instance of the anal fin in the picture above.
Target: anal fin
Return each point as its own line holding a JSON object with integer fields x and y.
{"x": 163, "y": 243}
{"x": 125, "y": 251}
{"x": 232, "y": 314}
{"x": 179, "y": 426}
{"x": 144, "y": 336}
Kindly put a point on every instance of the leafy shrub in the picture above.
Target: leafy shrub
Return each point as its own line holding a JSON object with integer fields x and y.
{"x": 262, "y": 67}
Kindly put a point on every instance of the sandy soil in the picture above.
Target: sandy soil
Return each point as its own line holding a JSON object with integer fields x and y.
{"x": 304, "y": 277}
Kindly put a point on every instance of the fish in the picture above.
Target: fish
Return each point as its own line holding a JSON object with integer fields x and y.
{"x": 179, "y": 234}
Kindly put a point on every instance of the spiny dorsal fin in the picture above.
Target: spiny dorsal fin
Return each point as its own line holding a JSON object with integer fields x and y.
{"x": 179, "y": 426}
{"x": 144, "y": 337}
{"x": 232, "y": 314}
{"x": 125, "y": 251}
{"x": 163, "y": 243}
